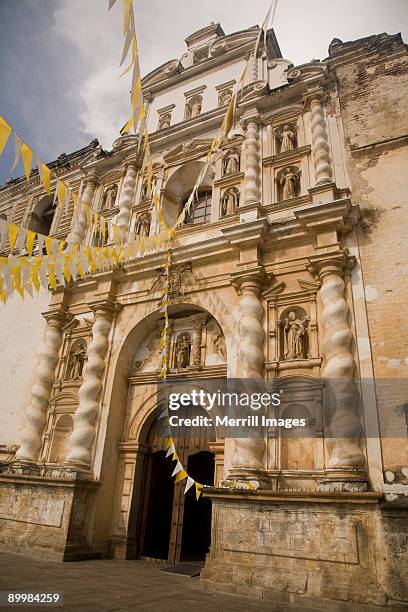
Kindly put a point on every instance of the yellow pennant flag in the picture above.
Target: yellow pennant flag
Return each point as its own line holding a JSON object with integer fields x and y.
{"x": 67, "y": 272}
{"x": 27, "y": 155}
{"x": 30, "y": 241}
{"x": 228, "y": 119}
{"x": 46, "y": 177}
{"x": 103, "y": 229}
{"x": 128, "y": 125}
{"x": 87, "y": 212}
{"x": 13, "y": 233}
{"x": 35, "y": 276}
{"x": 5, "y": 131}
{"x": 49, "y": 241}
{"x": 51, "y": 276}
{"x": 181, "y": 475}
{"x": 61, "y": 192}
{"x": 16, "y": 278}
{"x": 198, "y": 488}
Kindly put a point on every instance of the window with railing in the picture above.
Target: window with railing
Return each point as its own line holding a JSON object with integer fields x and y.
{"x": 200, "y": 210}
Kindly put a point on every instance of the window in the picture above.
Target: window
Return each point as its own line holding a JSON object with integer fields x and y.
{"x": 201, "y": 209}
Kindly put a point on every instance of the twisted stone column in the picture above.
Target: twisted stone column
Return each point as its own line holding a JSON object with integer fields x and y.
{"x": 86, "y": 417}
{"x": 36, "y": 412}
{"x": 247, "y": 461}
{"x": 78, "y": 231}
{"x": 252, "y": 177}
{"x": 320, "y": 142}
{"x": 343, "y": 401}
{"x": 126, "y": 197}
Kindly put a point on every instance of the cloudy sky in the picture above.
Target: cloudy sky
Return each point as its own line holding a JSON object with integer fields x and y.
{"x": 59, "y": 58}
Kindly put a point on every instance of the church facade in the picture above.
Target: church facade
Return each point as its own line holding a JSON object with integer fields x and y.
{"x": 289, "y": 269}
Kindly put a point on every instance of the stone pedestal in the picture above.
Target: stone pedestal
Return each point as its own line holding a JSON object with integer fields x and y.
{"x": 45, "y": 513}
{"x": 337, "y": 551}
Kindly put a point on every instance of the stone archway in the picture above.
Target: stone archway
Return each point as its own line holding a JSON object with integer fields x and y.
{"x": 141, "y": 454}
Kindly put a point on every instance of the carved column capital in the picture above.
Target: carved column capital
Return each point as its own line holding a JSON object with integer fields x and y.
{"x": 253, "y": 280}
{"x": 339, "y": 262}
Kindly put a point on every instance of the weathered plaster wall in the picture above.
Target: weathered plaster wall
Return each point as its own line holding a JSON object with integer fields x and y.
{"x": 21, "y": 332}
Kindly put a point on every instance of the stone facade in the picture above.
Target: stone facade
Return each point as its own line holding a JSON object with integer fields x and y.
{"x": 295, "y": 224}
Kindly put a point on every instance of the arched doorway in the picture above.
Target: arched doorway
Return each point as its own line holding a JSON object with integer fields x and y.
{"x": 174, "y": 526}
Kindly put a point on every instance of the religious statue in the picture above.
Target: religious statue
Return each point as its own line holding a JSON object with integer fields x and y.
{"x": 289, "y": 181}
{"x": 231, "y": 163}
{"x": 195, "y": 108}
{"x": 143, "y": 224}
{"x": 143, "y": 191}
{"x": 109, "y": 197}
{"x": 183, "y": 350}
{"x": 295, "y": 332}
{"x": 288, "y": 139}
{"x": 164, "y": 121}
{"x": 225, "y": 98}
{"x": 229, "y": 202}
{"x": 220, "y": 347}
{"x": 76, "y": 363}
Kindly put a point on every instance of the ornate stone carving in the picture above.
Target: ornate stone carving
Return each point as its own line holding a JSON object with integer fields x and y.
{"x": 231, "y": 162}
{"x": 86, "y": 416}
{"x": 320, "y": 142}
{"x": 142, "y": 227}
{"x": 76, "y": 360}
{"x": 109, "y": 197}
{"x": 178, "y": 276}
{"x": 193, "y": 107}
{"x": 164, "y": 121}
{"x": 78, "y": 231}
{"x": 252, "y": 180}
{"x": 295, "y": 332}
{"x": 36, "y": 412}
{"x": 182, "y": 351}
{"x": 230, "y": 202}
{"x": 224, "y": 97}
{"x": 126, "y": 197}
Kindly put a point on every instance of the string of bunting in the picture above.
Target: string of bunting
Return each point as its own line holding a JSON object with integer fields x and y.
{"x": 138, "y": 121}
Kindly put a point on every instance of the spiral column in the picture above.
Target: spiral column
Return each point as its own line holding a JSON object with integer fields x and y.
{"x": 343, "y": 415}
{"x": 86, "y": 417}
{"x": 78, "y": 231}
{"x": 320, "y": 142}
{"x": 36, "y": 412}
{"x": 252, "y": 177}
{"x": 126, "y": 197}
{"x": 247, "y": 461}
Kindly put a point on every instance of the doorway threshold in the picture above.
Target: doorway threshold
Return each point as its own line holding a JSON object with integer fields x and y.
{"x": 186, "y": 568}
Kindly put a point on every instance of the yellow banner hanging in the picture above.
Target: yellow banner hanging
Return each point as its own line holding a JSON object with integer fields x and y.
{"x": 30, "y": 241}
{"x": 27, "y": 155}
{"x": 46, "y": 177}
{"x": 13, "y": 233}
{"x": 61, "y": 192}
{"x": 5, "y": 131}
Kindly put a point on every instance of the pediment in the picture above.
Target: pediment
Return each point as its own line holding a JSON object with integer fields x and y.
{"x": 253, "y": 90}
{"x": 161, "y": 73}
{"x": 233, "y": 41}
{"x": 307, "y": 72}
{"x": 273, "y": 291}
{"x": 180, "y": 151}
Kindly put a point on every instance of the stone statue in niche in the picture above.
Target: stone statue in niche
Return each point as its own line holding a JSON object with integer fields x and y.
{"x": 143, "y": 192}
{"x": 225, "y": 97}
{"x": 164, "y": 121}
{"x": 76, "y": 361}
{"x": 231, "y": 162}
{"x": 109, "y": 197}
{"x": 287, "y": 139}
{"x": 195, "y": 107}
{"x": 289, "y": 182}
{"x": 295, "y": 336}
{"x": 142, "y": 227}
{"x": 183, "y": 350}
{"x": 230, "y": 202}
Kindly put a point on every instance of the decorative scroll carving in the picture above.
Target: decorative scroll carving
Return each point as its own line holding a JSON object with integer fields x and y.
{"x": 85, "y": 418}
{"x": 31, "y": 437}
{"x": 126, "y": 197}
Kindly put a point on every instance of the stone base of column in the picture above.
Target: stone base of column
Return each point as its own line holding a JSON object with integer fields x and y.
{"x": 323, "y": 551}
{"x": 247, "y": 478}
{"x": 324, "y": 193}
{"x": 122, "y": 548}
{"x": 250, "y": 212}
{"x": 343, "y": 480}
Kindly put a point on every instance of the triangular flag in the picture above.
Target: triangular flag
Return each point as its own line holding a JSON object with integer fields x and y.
{"x": 46, "y": 177}
{"x": 111, "y": 3}
{"x": 189, "y": 484}
{"x": 30, "y": 241}
{"x": 18, "y": 143}
{"x": 5, "y": 131}
{"x": 61, "y": 192}
{"x": 181, "y": 475}
{"x": 21, "y": 239}
{"x": 198, "y": 488}
{"x": 177, "y": 469}
{"x": 13, "y": 233}
{"x": 3, "y": 232}
{"x": 170, "y": 450}
{"x": 48, "y": 244}
{"x": 27, "y": 155}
